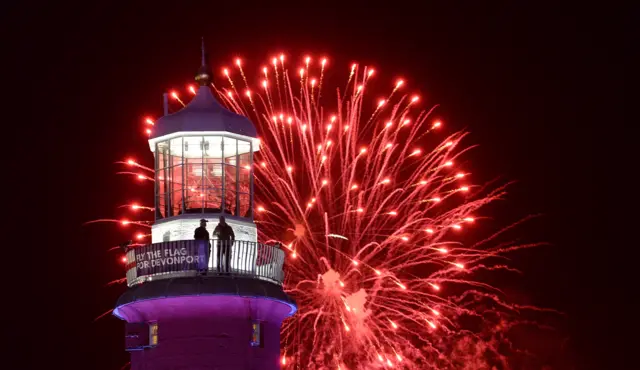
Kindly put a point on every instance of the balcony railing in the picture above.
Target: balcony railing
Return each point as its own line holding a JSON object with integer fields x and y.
{"x": 185, "y": 258}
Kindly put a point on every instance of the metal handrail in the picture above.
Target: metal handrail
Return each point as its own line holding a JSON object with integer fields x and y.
{"x": 184, "y": 258}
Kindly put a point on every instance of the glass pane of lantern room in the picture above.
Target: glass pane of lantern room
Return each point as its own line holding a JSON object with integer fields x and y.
{"x": 244, "y": 210}
{"x": 212, "y": 149}
{"x": 176, "y": 201}
{"x": 168, "y": 187}
{"x": 244, "y": 149}
{"x": 176, "y": 179}
{"x": 177, "y": 148}
{"x": 213, "y": 187}
{"x": 160, "y": 207}
{"x": 230, "y": 151}
{"x": 163, "y": 158}
{"x": 162, "y": 184}
{"x": 193, "y": 173}
{"x": 230, "y": 162}
{"x": 176, "y": 176}
{"x": 163, "y": 154}
{"x": 212, "y": 197}
{"x": 244, "y": 178}
{"x": 176, "y": 190}
{"x": 212, "y": 154}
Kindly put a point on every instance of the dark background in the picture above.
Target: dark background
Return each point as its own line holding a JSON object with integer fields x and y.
{"x": 533, "y": 84}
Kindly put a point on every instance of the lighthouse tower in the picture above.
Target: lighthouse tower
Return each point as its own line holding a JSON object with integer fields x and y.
{"x": 175, "y": 317}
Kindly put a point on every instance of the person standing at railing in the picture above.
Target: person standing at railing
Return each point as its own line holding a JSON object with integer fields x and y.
{"x": 226, "y": 237}
{"x": 204, "y": 247}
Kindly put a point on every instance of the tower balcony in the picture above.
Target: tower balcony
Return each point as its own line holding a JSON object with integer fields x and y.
{"x": 188, "y": 258}
{"x": 186, "y": 308}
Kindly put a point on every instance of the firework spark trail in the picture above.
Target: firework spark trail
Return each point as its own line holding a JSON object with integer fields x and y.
{"x": 132, "y": 245}
{"x": 366, "y": 196}
{"x": 139, "y": 176}
{"x": 117, "y": 281}
{"x": 103, "y": 315}
{"x": 135, "y": 207}
{"x": 174, "y": 96}
{"x": 131, "y": 162}
{"x": 121, "y": 222}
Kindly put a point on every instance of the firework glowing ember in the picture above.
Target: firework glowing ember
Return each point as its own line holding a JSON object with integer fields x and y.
{"x": 365, "y": 192}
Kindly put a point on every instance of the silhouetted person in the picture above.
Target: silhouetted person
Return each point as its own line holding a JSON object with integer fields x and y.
{"x": 226, "y": 237}
{"x": 204, "y": 248}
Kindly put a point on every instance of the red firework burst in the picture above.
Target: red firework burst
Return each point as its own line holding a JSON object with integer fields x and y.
{"x": 367, "y": 196}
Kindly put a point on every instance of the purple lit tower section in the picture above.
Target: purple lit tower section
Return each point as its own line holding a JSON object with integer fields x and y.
{"x": 175, "y": 317}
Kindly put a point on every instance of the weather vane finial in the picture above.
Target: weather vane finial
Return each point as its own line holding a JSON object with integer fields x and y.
{"x": 204, "y": 76}
{"x": 203, "y": 61}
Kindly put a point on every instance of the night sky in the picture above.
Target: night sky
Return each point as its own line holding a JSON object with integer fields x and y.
{"x": 528, "y": 83}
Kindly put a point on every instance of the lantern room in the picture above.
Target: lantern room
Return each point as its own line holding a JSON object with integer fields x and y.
{"x": 204, "y": 174}
{"x": 203, "y": 160}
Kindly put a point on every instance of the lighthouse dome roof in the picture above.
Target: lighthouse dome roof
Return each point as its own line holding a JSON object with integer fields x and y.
{"x": 204, "y": 113}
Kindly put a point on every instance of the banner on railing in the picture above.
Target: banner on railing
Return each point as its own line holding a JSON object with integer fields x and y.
{"x": 167, "y": 257}
{"x": 183, "y": 256}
